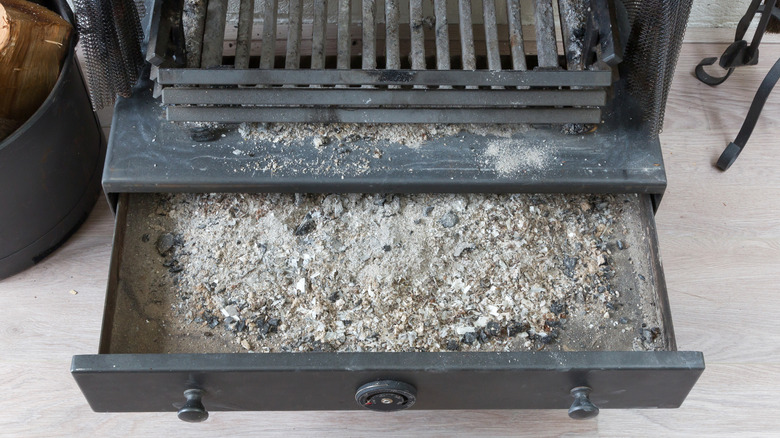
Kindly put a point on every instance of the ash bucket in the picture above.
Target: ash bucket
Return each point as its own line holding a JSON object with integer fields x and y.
{"x": 50, "y": 168}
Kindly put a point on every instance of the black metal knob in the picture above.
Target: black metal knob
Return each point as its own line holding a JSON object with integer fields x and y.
{"x": 386, "y": 395}
{"x": 582, "y": 407}
{"x": 193, "y": 410}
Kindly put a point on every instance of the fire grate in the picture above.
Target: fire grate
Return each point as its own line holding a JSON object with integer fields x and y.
{"x": 382, "y": 61}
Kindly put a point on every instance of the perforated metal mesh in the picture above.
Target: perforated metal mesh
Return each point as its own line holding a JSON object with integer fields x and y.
{"x": 657, "y": 32}
{"x": 110, "y": 34}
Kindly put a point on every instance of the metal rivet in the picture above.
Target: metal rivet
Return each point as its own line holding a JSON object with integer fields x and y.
{"x": 387, "y": 400}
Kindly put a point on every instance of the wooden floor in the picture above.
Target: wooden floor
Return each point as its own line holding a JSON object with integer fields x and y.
{"x": 720, "y": 242}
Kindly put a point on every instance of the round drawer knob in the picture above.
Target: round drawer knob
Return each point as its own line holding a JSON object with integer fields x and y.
{"x": 193, "y": 410}
{"x": 386, "y": 395}
{"x": 582, "y": 407}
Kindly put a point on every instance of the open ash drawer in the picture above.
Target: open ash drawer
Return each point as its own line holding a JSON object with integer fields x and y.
{"x": 329, "y": 302}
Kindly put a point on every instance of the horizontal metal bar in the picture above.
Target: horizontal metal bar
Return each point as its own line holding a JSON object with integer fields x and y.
{"x": 383, "y": 115}
{"x": 171, "y": 76}
{"x": 374, "y": 97}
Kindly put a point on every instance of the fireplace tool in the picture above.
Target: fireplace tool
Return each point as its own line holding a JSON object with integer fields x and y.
{"x": 741, "y": 54}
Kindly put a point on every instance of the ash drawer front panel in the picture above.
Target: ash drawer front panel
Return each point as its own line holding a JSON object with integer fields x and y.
{"x": 133, "y": 376}
{"x": 328, "y": 381}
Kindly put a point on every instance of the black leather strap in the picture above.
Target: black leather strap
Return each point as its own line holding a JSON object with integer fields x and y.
{"x": 734, "y": 148}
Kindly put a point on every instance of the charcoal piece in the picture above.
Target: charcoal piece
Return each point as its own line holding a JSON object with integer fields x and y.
{"x": 203, "y": 134}
{"x": 515, "y": 328}
{"x": 165, "y": 243}
{"x": 558, "y": 308}
{"x": 469, "y": 338}
{"x": 307, "y": 226}
{"x": 493, "y": 329}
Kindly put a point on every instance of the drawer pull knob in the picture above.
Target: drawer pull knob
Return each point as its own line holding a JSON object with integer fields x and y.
{"x": 386, "y": 395}
{"x": 582, "y": 407}
{"x": 193, "y": 410}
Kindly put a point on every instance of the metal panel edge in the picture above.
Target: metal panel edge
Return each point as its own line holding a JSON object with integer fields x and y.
{"x": 327, "y": 381}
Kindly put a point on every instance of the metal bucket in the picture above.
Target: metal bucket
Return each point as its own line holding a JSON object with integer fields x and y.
{"x": 50, "y": 169}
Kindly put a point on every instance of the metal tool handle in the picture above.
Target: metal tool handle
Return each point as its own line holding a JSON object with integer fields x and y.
{"x": 740, "y": 53}
{"x": 734, "y": 148}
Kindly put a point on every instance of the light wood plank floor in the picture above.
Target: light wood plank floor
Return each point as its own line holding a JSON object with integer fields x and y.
{"x": 720, "y": 241}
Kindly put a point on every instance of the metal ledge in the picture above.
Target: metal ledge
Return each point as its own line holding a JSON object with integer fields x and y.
{"x": 149, "y": 154}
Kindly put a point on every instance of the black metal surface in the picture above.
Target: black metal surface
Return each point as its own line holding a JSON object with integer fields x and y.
{"x": 49, "y": 170}
{"x": 605, "y": 14}
{"x": 560, "y": 78}
{"x": 367, "y": 97}
{"x": 149, "y": 154}
{"x": 328, "y": 381}
{"x": 408, "y": 114}
{"x": 654, "y": 256}
{"x": 166, "y": 35}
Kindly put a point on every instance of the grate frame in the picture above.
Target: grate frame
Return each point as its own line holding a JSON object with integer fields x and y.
{"x": 385, "y": 84}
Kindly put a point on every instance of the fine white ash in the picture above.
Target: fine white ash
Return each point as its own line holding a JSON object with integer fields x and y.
{"x": 410, "y": 135}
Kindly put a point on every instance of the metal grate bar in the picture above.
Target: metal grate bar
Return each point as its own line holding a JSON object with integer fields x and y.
{"x": 546, "y": 46}
{"x": 392, "y": 44}
{"x": 268, "y": 48}
{"x": 417, "y": 53}
{"x": 344, "y": 41}
{"x": 293, "y": 56}
{"x": 369, "y": 34}
{"x": 195, "y": 46}
{"x": 442, "y": 35}
{"x": 214, "y": 33}
{"x": 466, "y": 36}
{"x": 318, "y": 34}
{"x": 560, "y": 78}
{"x": 491, "y": 34}
{"x": 516, "y": 35}
{"x": 244, "y": 39}
{"x": 375, "y": 97}
{"x": 572, "y": 16}
{"x": 383, "y": 115}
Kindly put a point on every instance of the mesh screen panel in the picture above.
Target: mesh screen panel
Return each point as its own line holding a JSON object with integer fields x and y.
{"x": 657, "y": 32}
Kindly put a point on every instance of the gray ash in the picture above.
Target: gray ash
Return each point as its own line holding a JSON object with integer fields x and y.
{"x": 238, "y": 279}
